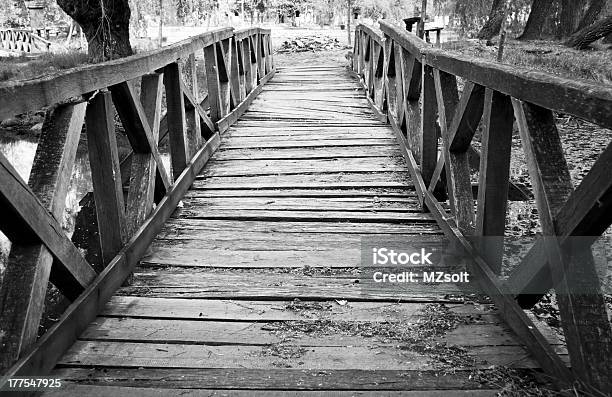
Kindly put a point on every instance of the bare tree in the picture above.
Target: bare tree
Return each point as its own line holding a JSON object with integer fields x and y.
{"x": 106, "y": 24}
{"x": 585, "y": 36}
{"x": 592, "y": 13}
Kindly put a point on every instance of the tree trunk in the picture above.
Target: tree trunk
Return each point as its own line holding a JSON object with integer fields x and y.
{"x": 106, "y": 24}
{"x": 493, "y": 25}
{"x": 581, "y": 39}
{"x": 540, "y": 10}
{"x": 592, "y": 13}
{"x": 571, "y": 11}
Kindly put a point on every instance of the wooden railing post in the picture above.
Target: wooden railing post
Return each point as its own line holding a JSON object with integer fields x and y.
{"x": 192, "y": 119}
{"x": 106, "y": 174}
{"x": 494, "y": 177}
{"x": 212, "y": 81}
{"x": 175, "y": 102}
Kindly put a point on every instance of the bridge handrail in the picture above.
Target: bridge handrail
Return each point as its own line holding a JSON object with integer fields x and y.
{"x": 414, "y": 87}
{"x": 237, "y": 64}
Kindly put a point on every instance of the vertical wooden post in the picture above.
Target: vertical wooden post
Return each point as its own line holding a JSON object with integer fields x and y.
{"x": 175, "y": 102}
{"x": 106, "y": 174}
{"x": 493, "y": 178}
{"x": 192, "y": 118}
{"x": 235, "y": 73}
{"x": 212, "y": 81}
{"x": 348, "y": 21}
{"x": 143, "y": 171}
{"x": 429, "y": 125}
{"x": 421, "y": 27}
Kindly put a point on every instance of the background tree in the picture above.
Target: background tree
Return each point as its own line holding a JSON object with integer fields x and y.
{"x": 106, "y": 24}
{"x": 571, "y": 14}
{"x": 540, "y": 11}
{"x": 494, "y": 23}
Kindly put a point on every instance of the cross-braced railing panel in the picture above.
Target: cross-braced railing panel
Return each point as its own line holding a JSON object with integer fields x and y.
{"x": 436, "y": 122}
{"x": 133, "y": 196}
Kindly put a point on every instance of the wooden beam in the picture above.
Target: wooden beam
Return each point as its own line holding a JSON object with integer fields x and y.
{"x": 175, "y": 102}
{"x": 137, "y": 128}
{"x": 493, "y": 178}
{"x": 142, "y": 176}
{"x": 583, "y": 312}
{"x": 586, "y": 100}
{"x": 213, "y": 84}
{"x": 106, "y": 175}
{"x": 458, "y": 185}
{"x": 429, "y": 126}
{"x": 31, "y": 95}
{"x": 467, "y": 117}
{"x": 26, "y": 220}
{"x": 192, "y": 116}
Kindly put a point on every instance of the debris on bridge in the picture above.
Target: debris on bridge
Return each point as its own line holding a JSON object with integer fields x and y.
{"x": 310, "y": 43}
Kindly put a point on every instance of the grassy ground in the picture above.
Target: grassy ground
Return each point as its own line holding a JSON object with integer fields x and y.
{"x": 547, "y": 56}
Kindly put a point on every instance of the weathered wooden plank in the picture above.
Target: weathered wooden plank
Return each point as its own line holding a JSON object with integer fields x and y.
{"x": 307, "y": 153}
{"x": 106, "y": 175}
{"x": 255, "y": 134}
{"x": 178, "y": 225}
{"x": 284, "y": 379}
{"x": 332, "y": 180}
{"x": 393, "y": 204}
{"x": 305, "y": 143}
{"x": 224, "y": 311}
{"x": 78, "y": 389}
{"x": 275, "y": 167}
{"x": 305, "y": 215}
{"x": 362, "y": 193}
{"x": 251, "y": 333}
{"x": 128, "y": 354}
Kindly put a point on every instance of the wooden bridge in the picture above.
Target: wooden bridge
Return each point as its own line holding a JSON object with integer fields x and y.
{"x": 236, "y": 271}
{"x": 22, "y": 40}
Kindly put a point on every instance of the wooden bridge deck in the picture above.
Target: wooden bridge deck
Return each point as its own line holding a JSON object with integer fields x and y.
{"x": 252, "y": 288}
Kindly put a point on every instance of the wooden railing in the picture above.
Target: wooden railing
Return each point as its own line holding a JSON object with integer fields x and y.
{"x": 21, "y": 40}
{"x": 237, "y": 64}
{"x": 414, "y": 87}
